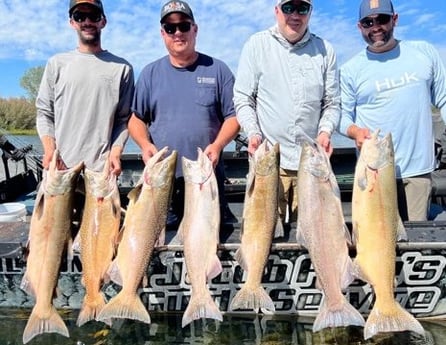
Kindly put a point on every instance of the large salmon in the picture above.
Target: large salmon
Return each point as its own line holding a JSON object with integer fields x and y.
{"x": 376, "y": 227}
{"x": 98, "y": 236}
{"x": 50, "y": 231}
{"x": 321, "y": 229}
{"x": 144, "y": 220}
{"x": 199, "y": 231}
{"x": 260, "y": 218}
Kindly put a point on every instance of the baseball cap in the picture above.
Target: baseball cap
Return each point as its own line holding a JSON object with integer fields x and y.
{"x": 176, "y": 7}
{"x": 94, "y": 3}
{"x": 281, "y": 2}
{"x": 370, "y": 7}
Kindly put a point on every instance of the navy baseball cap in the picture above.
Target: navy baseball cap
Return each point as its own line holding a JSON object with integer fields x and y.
{"x": 371, "y": 7}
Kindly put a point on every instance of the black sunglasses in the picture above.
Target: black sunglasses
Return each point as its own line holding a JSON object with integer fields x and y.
{"x": 381, "y": 19}
{"x": 81, "y": 17}
{"x": 302, "y": 8}
{"x": 171, "y": 28}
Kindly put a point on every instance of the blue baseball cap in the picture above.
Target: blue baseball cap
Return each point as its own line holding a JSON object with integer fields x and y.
{"x": 370, "y": 7}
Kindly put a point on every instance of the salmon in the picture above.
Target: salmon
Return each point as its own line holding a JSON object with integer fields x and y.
{"x": 259, "y": 223}
{"x": 145, "y": 219}
{"x": 322, "y": 230}
{"x": 98, "y": 237}
{"x": 199, "y": 233}
{"x": 376, "y": 228}
{"x": 50, "y": 232}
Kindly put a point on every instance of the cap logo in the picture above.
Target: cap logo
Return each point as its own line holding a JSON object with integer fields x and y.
{"x": 374, "y": 4}
{"x": 174, "y": 6}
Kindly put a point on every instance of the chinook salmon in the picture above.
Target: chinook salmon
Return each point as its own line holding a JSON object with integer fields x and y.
{"x": 98, "y": 237}
{"x": 145, "y": 219}
{"x": 260, "y": 219}
{"x": 50, "y": 231}
{"x": 199, "y": 232}
{"x": 376, "y": 228}
{"x": 322, "y": 230}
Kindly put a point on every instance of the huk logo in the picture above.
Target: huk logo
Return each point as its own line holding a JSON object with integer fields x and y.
{"x": 174, "y": 6}
{"x": 389, "y": 84}
{"x": 374, "y": 4}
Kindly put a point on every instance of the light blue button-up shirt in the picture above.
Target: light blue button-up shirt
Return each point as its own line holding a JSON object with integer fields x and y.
{"x": 283, "y": 89}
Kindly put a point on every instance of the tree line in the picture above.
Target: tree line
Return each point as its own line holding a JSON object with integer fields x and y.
{"x": 19, "y": 114}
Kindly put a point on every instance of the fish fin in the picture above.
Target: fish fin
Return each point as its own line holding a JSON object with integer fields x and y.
{"x": 300, "y": 239}
{"x": 357, "y": 272}
{"x": 347, "y": 274}
{"x": 114, "y": 273}
{"x": 161, "y": 240}
{"x": 133, "y": 195}
{"x": 179, "y": 236}
{"x": 241, "y": 259}
{"x": 279, "y": 231}
{"x": 201, "y": 307}
{"x": 339, "y": 316}
{"x": 37, "y": 325}
{"x": 91, "y": 309}
{"x": 124, "y": 306}
{"x": 214, "y": 269}
{"x": 401, "y": 234}
{"x": 397, "y": 321}
{"x": 253, "y": 299}
{"x": 27, "y": 286}
{"x": 76, "y": 246}
{"x": 348, "y": 236}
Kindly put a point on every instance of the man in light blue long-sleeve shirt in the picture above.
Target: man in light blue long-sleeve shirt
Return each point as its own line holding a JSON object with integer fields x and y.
{"x": 391, "y": 86}
{"x": 287, "y": 85}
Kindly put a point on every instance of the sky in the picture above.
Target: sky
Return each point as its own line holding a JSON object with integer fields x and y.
{"x": 33, "y": 30}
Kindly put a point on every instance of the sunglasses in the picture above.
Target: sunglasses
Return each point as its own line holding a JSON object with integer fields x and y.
{"x": 302, "y": 8}
{"x": 171, "y": 28}
{"x": 81, "y": 17}
{"x": 381, "y": 19}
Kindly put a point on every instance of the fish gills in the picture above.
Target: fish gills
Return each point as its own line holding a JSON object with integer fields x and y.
{"x": 50, "y": 230}
{"x": 376, "y": 228}
{"x": 321, "y": 229}
{"x": 260, "y": 217}
{"x": 144, "y": 220}
{"x": 98, "y": 234}
{"x": 200, "y": 232}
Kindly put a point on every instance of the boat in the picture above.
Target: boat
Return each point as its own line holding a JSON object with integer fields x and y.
{"x": 289, "y": 277}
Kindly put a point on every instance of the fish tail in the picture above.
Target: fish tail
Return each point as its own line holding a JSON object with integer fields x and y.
{"x": 248, "y": 298}
{"x": 397, "y": 321}
{"x": 201, "y": 307}
{"x": 90, "y": 310}
{"x": 124, "y": 306}
{"x": 37, "y": 325}
{"x": 342, "y": 316}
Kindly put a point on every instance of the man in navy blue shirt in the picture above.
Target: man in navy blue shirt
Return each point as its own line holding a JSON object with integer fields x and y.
{"x": 184, "y": 101}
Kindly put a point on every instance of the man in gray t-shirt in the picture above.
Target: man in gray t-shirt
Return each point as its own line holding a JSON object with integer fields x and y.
{"x": 184, "y": 101}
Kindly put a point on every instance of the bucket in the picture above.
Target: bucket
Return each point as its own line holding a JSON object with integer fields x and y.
{"x": 12, "y": 212}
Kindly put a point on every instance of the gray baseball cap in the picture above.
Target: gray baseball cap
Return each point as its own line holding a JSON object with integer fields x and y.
{"x": 371, "y": 7}
{"x": 176, "y": 7}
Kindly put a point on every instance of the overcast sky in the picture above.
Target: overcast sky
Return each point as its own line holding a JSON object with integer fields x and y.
{"x": 33, "y": 30}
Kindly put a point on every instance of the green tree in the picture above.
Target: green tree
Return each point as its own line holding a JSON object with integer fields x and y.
{"x": 31, "y": 81}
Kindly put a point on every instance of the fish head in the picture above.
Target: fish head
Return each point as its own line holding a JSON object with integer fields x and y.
{"x": 314, "y": 160}
{"x": 198, "y": 171}
{"x": 160, "y": 169}
{"x": 377, "y": 152}
{"x": 59, "y": 181}
{"x": 266, "y": 159}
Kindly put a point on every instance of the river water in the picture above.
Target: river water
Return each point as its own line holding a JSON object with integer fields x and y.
{"x": 165, "y": 329}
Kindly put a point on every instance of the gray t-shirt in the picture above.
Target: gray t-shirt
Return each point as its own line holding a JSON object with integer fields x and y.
{"x": 184, "y": 107}
{"x": 84, "y": 103}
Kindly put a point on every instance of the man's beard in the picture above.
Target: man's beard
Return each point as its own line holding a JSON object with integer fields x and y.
{"x": 90, "y": 39}
{"x": 382, "y": 42}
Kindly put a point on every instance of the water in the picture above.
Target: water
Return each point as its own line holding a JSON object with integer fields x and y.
{"x": 165, "y": 329}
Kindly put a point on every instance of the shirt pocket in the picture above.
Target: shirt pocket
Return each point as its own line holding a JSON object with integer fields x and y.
{"x": 205, "y": 96}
